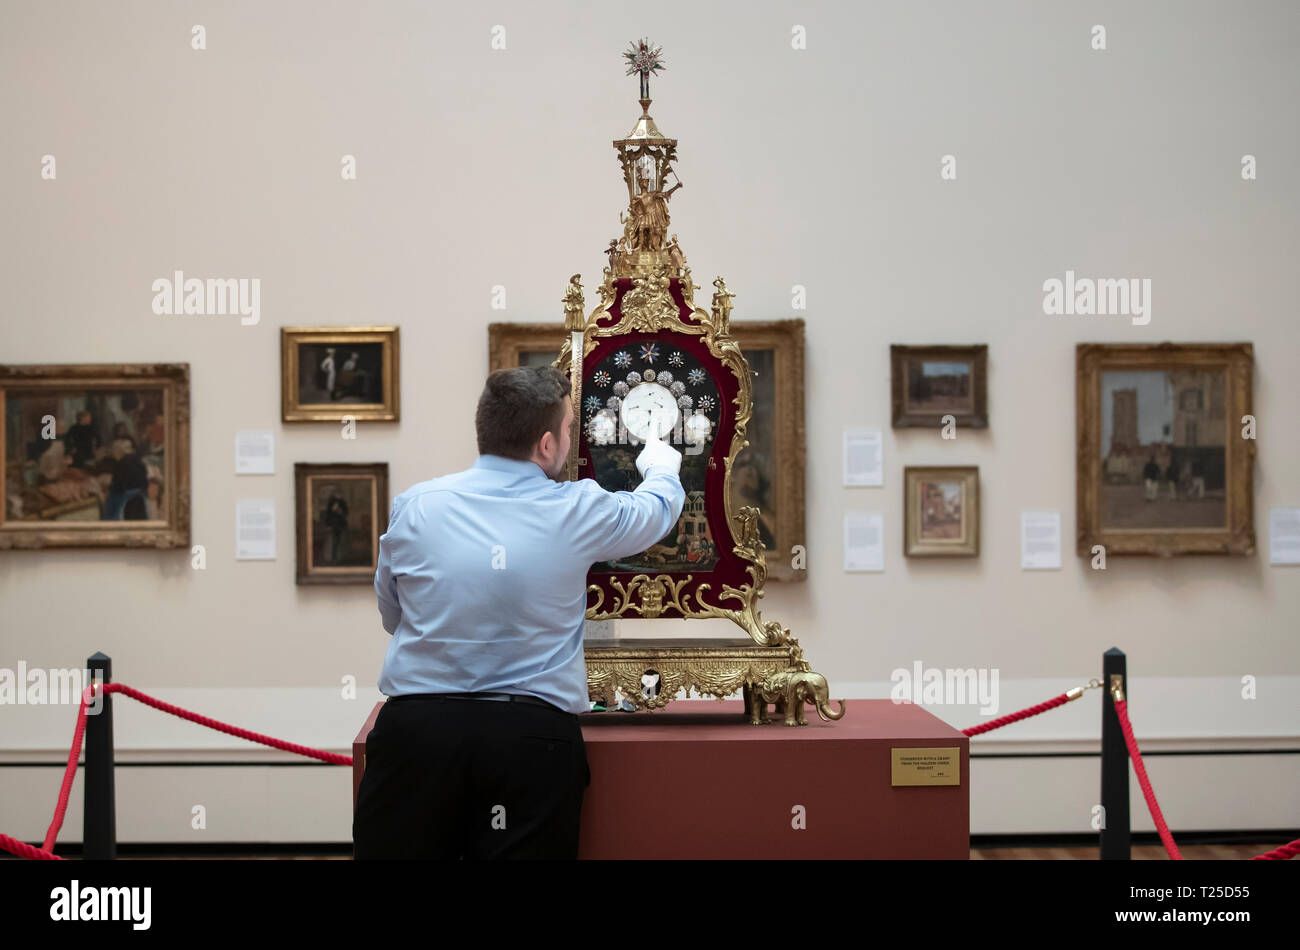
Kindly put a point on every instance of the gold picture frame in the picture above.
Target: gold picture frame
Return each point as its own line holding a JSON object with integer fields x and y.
{"x": 1163, "y": 466}
{"x": 331, "y": 529}
{"x": 329, "y": 392}
{"x": 95, "y": 455}
{"x": 941, "y": 511}
{"x": 778, "y": 418}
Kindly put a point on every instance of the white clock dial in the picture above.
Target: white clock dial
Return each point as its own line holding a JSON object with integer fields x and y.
{"x": 698, "y": 428}
{"x": 601, "y": 429}
{"x": 645, "y": 402}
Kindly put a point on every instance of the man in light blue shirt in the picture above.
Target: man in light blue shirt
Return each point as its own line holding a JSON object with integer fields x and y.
{"x": 482, "y": 583}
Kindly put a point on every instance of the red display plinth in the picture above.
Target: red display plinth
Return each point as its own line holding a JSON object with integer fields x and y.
{"x": 695, "y": 781}
{"x": 359, "y": 753}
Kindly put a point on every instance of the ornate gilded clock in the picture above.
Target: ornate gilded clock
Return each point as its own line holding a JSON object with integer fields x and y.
{"x": 650, "y": 360}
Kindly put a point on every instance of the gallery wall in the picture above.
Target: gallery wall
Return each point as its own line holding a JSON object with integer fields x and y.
{"x": 819, "y": 167}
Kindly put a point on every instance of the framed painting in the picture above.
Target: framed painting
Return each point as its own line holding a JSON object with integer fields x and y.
{"x": 942, "y": 505}
{"x": 95, "y": 455}
{"x": 331, "y": 372}
{"x": 340, "y": 512}
{"x": 930, "y": 382}
{"x": 1165, "y": 459}
{"x": 769, "y": 473}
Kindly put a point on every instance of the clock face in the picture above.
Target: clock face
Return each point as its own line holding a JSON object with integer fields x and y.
{"x": 698, "y": 428}
{"x": 648, "y": 404}
{"x": 626, "y": 384}
{"x": 602, "y": 428}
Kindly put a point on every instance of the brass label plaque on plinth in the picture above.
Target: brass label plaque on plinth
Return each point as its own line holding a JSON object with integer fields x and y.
{"x": 941, "y": 766}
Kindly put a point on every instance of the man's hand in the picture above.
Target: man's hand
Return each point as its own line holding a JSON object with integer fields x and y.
{"x": 657, "y": 452}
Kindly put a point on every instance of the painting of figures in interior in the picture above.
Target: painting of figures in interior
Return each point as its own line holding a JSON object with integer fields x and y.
{"x": 95, "y": 456}
{"x": 1163, "y": 465}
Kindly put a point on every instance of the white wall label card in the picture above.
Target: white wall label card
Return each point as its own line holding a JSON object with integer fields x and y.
{"x": 255, "y": 529}
{"x": 254, "y": 452}
{"x": 1284, "y": 535}
{"x": 864, "y": 457}
{"x": 864, "y": 541}
{"x": 1040, "y": 540}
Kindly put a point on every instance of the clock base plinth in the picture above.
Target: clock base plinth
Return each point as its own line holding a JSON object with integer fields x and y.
{"x": 707, "y": 667}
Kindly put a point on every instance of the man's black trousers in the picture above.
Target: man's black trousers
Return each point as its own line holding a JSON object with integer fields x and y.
{"x": 471, "y": 778}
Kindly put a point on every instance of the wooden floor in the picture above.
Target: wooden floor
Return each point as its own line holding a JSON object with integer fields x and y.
{"x": 1206, "y": 852}
{"x": 1142, "y": 852}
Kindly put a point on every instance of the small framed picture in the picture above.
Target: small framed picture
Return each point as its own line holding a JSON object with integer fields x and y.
{"x": 331, "y": 372}
{"x": 341, "y": 510}
{"x": 95, "y": 455}
{"x": 942, "y": 505}
{"x": 931, "y": 382}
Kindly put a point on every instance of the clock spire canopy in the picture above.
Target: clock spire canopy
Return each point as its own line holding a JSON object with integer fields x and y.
{"x": 646, "y": 156}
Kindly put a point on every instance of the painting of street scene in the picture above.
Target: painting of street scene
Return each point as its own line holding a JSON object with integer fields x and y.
{"x": 1163, "y": 449}
{"x": 941, "y": 510}
{"x": 934, "y": 386}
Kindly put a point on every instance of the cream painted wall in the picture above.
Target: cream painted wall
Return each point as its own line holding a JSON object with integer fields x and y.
{"x": 816, "y": 167}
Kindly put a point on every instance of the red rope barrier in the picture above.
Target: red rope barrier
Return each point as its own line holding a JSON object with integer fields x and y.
{"x": 46, "y": 853}
{"x": 135, "y": 694}
{"x": 1135, "y": 755}
{"x": 1283, "y": 853}
{"x": 1017, "y": 716}
{"x": 25, "y": 850}
{"x": 69, "y": 772}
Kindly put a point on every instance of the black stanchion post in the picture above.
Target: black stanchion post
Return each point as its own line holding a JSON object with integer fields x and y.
{"x": 99, "y": 825}
{"x": 1115, "y": 833}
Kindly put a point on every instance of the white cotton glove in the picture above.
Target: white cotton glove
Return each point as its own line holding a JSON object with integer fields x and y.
{"x": 657, "y": 452}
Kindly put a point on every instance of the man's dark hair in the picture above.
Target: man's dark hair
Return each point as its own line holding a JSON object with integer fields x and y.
{"x": 518, "y": 406}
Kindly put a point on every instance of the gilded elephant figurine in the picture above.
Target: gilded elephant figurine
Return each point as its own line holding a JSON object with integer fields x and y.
{"x": 789, "y": 690}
